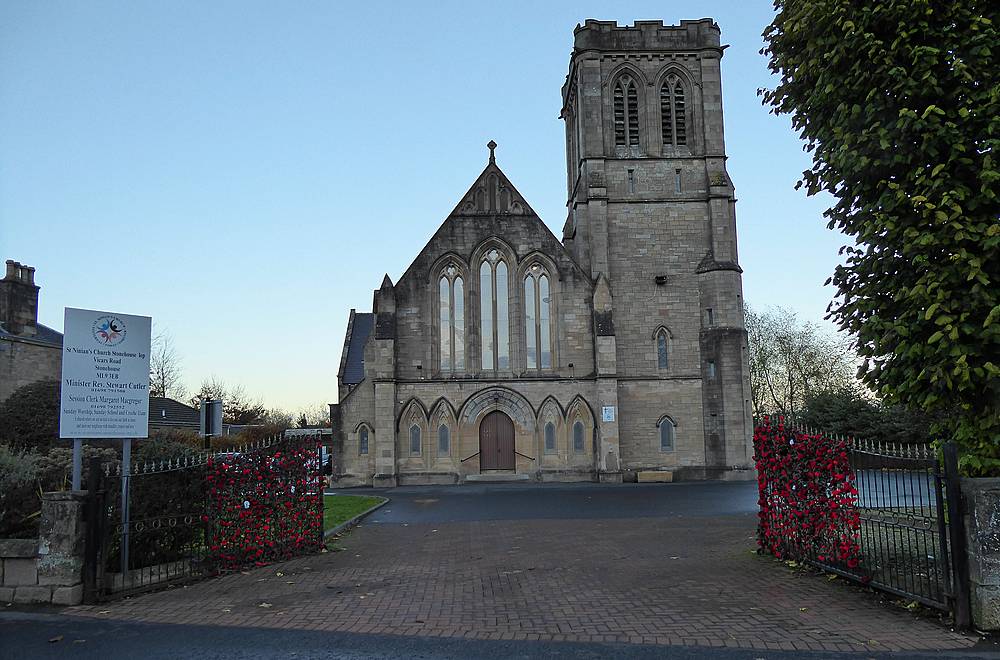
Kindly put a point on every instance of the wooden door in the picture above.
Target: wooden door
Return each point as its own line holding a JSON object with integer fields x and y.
{"x": 496, "y": 442}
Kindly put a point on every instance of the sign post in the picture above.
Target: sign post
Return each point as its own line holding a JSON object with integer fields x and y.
{"x": 105, "y": 389}
{"x": 77, "y": 462}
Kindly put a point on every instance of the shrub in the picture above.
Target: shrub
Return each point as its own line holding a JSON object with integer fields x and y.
{"x": 845, "y": 412}
{"x": 18, "y": 474}
{"x": 25, "y": 475}
{"x": 29, "y": 418}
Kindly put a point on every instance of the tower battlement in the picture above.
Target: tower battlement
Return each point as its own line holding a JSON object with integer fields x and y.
{"x": 646, "y": 35}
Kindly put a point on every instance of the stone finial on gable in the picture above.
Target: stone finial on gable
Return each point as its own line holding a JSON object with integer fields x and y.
{"x": 492, "y": 193}
{"x": 385, "y": 310}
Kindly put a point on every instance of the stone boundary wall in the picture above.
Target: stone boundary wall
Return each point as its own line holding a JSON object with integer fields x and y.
{"x": 48, "y": 569}
{"x": 982, "y": 529}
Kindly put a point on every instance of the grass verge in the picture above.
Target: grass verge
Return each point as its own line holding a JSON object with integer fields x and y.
{"x": 339, "y": 509}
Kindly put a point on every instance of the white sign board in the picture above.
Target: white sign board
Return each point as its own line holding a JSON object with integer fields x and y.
{"x": 608, "y": 414}
{"x": 105, "y": 375}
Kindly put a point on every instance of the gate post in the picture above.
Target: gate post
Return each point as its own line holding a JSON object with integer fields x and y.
{"x": 93, "y": 516}
{"x": 956, "y": 534}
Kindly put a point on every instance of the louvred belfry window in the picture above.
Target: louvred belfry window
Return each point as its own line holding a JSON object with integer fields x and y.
{"x": 626, "y": 109}
{"x": 673, "y": 113}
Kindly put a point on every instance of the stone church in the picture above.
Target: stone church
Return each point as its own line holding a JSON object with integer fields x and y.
{"x": 616, "y": 353}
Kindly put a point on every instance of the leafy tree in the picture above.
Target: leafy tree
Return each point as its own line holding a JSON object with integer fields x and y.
{"x": 792, "y": 361}
{"x": 29, "y": 418}
{"x": 899, "y": 104}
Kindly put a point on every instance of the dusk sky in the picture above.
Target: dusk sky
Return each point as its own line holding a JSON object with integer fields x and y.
{"x": 246, "y": 172}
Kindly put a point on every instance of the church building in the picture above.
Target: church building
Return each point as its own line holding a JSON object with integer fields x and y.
{"x": 617, "y": 352}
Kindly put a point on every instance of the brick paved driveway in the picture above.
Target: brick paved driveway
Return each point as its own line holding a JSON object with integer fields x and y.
{"x": 670, "y": 564}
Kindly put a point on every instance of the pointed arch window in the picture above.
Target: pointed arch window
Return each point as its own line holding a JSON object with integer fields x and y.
{"x": 363, "y": 440}
{"x": 626, "y": 108}
{"x": 494, "y": 302}
{"x": 673, "y": 112}
{"x": 444, "y": 440}
{"x": 415, "y": 440}
{"x": 550, "y": 438}
{"x": 537, "y": 318}
{"x": 662, "y": 349}
{"x": 578, "y": 437}
{"x": 451, "y": 293}
{"x": 667, "y": 432}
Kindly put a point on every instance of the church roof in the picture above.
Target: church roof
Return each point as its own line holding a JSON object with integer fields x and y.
{"x": 358, "y": 330}
{"x": 43, "y": 335}
{"x": 170, "y": 413}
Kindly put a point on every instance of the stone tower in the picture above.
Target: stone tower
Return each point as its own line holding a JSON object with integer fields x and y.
{"x": 651, "y": 216}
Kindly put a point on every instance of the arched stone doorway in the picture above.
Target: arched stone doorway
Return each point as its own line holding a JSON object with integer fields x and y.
{"x": 496, "y": 442}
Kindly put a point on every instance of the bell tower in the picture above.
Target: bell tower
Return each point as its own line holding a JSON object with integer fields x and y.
{"x": 651, "y": 216}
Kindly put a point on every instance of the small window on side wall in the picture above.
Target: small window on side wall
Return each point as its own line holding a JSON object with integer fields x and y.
{"x": 578, "y": 439}
{"x": 363, "y": 440}
{"x": 666, "y": 434}
{"x": 550, "y": 438}
{"x": 414, "y": 440}
{"x": 662, "y": 356}
{"x": 444, "y": 441}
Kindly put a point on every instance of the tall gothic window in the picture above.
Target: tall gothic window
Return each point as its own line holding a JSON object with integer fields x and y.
{"x": 537, "y": 319}
{"x": 626, "y": 101}
{"x": 494, "y": 300}
{"x": 452, "y": 325}
{"x": 673, "y": 115}
{"x": 363, "y": 440}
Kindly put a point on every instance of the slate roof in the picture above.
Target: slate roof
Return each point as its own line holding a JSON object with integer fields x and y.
{"x": 167, "y": 413}
{"x": 43, "y": 335}
{"x": 354, "y": 365}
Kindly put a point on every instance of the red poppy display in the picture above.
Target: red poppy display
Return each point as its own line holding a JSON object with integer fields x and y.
{"x": 807, "y": 496}
{"x": 265, "y": 506}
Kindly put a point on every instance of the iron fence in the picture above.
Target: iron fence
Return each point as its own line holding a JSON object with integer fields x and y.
{"x": 896, "y": 525}
{"x": 165, "y": 522}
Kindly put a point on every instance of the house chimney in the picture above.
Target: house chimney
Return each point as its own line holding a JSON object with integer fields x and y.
{"x": 19, "y": 300}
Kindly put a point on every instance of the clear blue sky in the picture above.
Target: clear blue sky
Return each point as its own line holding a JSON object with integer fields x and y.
{"x": 246, "y": 172}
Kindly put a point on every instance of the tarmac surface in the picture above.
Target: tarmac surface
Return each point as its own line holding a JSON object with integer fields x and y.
{"x": 512, "y": 570}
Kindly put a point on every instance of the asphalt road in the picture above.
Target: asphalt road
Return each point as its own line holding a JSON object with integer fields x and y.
{"x": 48, "y": 634}
{"x": 571, "y": 501}
{"x": 25, "y": 636}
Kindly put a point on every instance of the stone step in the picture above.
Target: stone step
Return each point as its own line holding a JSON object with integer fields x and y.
{"x": 488, "y": 477}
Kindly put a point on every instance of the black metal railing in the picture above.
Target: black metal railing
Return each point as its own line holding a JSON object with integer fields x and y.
{"x": 908, "y": 537}
{"x": 165, "y": 536}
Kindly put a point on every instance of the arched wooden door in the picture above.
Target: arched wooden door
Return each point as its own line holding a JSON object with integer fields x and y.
{"x": 496, "y": 442}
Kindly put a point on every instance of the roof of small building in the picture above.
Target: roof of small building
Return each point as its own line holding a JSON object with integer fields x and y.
{"x": 43, "y": 335}
{"x": 170, "y": 413}
{"x": 354, "y": 365}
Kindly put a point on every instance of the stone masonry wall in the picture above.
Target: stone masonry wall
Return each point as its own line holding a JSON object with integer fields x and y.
{"x": 523, "y": 239}
{"x": 982, "y": 528}
{"x": 48, "y": 569}
{"x": 23, "y": 363}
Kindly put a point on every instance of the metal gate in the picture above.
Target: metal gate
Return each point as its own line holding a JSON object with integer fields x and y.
{"x": 165, "y": 522}
{"x": 496, "y": 442}
{"x": 902, "y": 532}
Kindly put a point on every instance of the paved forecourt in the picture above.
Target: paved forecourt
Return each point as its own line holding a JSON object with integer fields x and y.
{"x": 659, "y": 564}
